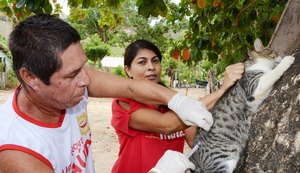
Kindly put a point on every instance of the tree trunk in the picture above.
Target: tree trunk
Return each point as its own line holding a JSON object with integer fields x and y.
{"x": 274, "y": 142}
{"x": 211, "y": 87}
{"x": 286, "y": 37}
{"x": 274, "y": 139}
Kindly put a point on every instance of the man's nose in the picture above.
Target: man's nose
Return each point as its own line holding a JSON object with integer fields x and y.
{"x": 84, "y": 79}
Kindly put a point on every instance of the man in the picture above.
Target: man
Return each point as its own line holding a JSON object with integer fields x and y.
{"x": 44, "y": 125}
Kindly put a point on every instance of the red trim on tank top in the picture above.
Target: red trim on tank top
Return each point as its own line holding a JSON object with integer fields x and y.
{"x": 28, "y": 151}
{"x": 32, "y": 120}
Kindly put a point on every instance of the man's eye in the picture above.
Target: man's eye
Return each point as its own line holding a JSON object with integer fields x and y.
{"x": 72, "y": 76}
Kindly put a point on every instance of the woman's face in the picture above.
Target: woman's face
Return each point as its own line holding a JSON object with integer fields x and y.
{"x": 145, "y": 65}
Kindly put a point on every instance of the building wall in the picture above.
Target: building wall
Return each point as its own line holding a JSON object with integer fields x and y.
{"x": 5, "y": 28}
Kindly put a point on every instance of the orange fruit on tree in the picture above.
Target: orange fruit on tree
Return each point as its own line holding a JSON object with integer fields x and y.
{"x": 216, "y": 3}
{"x": 201, "y": 4}
{"x": 186, "y": 54}
{"x": 176, "y": 54}
{"x": 14, "y": 5}
{"x": 222, "y": 5}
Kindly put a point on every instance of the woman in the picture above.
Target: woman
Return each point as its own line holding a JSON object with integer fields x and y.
{"x": 145, "y": 132}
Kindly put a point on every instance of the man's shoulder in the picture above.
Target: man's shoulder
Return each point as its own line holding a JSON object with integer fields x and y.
{"x": 6, "y": 108}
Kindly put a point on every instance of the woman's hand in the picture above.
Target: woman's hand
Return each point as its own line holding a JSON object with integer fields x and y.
{"x": 233, "y": 73}
{"x": 172, "y": 162}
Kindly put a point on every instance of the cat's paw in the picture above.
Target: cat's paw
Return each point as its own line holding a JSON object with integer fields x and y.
{"x": 287, "y": 61}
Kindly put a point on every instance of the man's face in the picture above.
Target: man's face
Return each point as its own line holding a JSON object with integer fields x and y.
{"x": 67, "y": 85}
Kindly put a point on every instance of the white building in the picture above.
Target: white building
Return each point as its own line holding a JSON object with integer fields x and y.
{"x": 112, "y": 62}
{"x": 5, "y": 27}
{"x": 109, "y": 63}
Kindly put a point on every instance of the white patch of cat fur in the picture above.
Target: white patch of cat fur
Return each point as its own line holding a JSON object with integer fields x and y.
{"x": 261, "y": 64}
{"x": 231, "y": 164}
{"x": 267, "y": 81}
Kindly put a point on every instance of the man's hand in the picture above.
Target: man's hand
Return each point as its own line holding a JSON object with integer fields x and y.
{"x": 172, "y": 162}
{"x": 191, "y": 111}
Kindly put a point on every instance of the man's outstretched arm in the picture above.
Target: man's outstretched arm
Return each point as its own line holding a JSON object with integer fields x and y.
{"x": 189, "y": 110}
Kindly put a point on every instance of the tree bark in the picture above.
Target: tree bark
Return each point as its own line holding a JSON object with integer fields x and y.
{"x": 211, "y": 87}
{"x": 286, "y": 37}
{"x": 274, "y": 139}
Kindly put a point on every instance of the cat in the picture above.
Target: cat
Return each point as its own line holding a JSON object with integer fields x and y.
{"x": 220, "y": 149}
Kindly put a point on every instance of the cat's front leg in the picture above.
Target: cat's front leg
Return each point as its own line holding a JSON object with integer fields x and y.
{"x": 285, "y": 63}
{"x": 267, "y": 81}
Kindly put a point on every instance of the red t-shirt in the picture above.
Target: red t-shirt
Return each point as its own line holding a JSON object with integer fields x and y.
{"x": 139, "y": 151}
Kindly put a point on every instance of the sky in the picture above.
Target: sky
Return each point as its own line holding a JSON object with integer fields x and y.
{"x": 64, "y": 4}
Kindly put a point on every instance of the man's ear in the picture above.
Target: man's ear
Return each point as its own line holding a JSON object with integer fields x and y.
{"x": 29, "y": 79}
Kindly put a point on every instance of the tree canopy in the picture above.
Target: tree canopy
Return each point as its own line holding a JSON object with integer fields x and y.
{"x": 217, "y": 28}
{"x": 216, "y": 32}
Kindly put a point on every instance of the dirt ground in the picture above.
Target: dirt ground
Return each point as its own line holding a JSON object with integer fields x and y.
{"x": 105, "y": 143}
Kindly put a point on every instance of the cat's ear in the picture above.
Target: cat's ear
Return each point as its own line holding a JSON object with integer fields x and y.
{"x": 258, "y": 45}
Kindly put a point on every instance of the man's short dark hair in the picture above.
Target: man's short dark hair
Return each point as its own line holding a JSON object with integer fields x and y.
{"x": 35, "y": 44}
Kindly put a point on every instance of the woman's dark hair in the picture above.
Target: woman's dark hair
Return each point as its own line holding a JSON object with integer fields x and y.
{"x": 36, "y": 43}
{"x": 133, "y": 48}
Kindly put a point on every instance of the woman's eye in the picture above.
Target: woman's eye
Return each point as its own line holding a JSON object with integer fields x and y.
{"x": 156, "y": 60}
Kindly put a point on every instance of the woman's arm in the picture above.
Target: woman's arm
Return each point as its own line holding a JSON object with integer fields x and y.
{"x": 190, "y": 134}
{"x": 150, "y": 120}
{"x": 190, "y": 111}
{"x": 153, "y": 121}
{"x": 233, "y": 73}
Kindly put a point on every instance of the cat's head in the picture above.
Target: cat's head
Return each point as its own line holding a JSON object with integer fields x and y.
{"x": 259, "y": 51}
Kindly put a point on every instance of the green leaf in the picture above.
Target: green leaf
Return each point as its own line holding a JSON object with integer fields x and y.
{"x": 199, "y": 44}
{"x": 8, "y": 11}
{"x": 139, "y": 2}
{"x": 86, "y": 3}
{"x": 48, "y": 8}
{"x": 196, "y": 28}
{"x": 74, "y": 3}
{"x": 115, "y": 4}
{"x": 213, "y": 57}
{"x": 34, "y": 5}
{"x": 144, "y": 11}
{"x": 3, "y": 3}
{"x": 161, "y": 8}
{"x": 20, "y": 3}
{"x": 148, "y": 8}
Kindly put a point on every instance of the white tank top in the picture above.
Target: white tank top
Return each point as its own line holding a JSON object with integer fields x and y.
{"x": 64, "y": 146}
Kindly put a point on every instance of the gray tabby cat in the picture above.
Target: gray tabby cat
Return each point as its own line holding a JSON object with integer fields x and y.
{"x": 220, "y": 148}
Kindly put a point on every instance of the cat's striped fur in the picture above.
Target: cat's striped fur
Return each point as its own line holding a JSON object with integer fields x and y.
{"x": 221, "y": 147}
